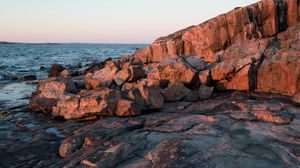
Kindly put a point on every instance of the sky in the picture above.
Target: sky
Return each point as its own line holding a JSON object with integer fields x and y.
{"x": 104, "y": 21}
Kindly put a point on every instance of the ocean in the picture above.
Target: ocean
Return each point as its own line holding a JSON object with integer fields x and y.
{"x": 19, "y": 60}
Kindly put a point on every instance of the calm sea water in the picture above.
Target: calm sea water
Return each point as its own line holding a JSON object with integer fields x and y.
{"x": 17, "y": 60}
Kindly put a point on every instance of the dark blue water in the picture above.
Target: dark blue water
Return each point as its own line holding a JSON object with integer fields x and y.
{"x": 17, "y": 60}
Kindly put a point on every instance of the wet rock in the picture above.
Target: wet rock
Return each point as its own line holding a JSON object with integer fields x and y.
{"x": 175, "y": 92}
{"x": 205, "y": 92}
{"x": 29, "y": 77}
{"x": 55, "y": 70}
{"x": 42, "y": 68}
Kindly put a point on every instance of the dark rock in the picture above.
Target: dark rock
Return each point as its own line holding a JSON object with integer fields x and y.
{"x": 175, "y": 92}
{"x": 205, "y": 92}
{"x": 55, "y": 70}
{"x": 29, "y": 77}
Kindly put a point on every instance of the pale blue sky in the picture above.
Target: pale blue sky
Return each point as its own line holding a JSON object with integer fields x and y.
{"x": 104, "y": 21}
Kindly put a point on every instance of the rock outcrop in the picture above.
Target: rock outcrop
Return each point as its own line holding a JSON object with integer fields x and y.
{"x": 254, "y": 49}
{"x": 261, "y": 20}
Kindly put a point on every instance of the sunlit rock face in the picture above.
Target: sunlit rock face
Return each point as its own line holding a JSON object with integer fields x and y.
{"x": 261, "y": 20}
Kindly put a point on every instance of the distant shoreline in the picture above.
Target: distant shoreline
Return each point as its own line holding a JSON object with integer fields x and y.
{"x": 5, "y": 42}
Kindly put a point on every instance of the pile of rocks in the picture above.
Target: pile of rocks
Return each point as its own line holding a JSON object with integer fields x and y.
{"x": 122, "y": 88}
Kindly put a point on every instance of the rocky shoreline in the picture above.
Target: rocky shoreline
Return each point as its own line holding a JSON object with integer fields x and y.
{"x": 225, "y": 93}
{"x": 262, "y": 56}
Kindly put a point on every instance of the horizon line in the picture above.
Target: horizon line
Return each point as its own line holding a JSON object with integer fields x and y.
{"x": 16, "y": 42}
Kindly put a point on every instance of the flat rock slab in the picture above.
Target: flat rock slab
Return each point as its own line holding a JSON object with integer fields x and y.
{"x": 222, "y": 132}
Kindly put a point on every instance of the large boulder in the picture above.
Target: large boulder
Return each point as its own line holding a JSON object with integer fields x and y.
{"x": 49, "y": 92}
{"x": 280, "y": 76}
{"x": 101, "y": 102}
{"x": 174, "y": 69}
